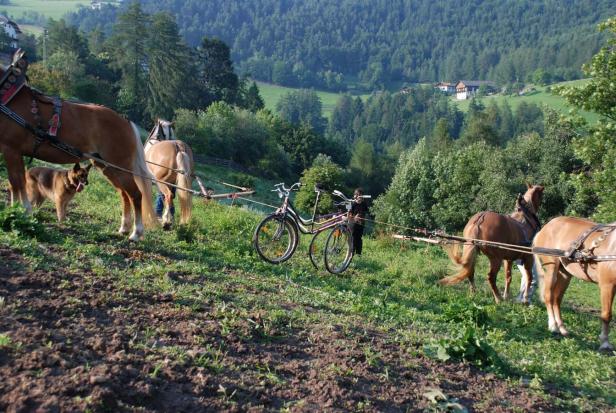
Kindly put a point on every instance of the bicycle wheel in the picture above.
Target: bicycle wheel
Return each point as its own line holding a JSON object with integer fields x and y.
{"x": 316, "y": 249}
{"x": 338, "y": 249}
{"x": 275, "y": 239}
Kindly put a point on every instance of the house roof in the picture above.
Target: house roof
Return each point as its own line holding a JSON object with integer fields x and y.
{"x": 5, "y": 20}
{"x": 475, "y": 83}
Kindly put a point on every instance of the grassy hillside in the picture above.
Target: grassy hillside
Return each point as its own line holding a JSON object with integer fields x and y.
{"x": 541, "y": 96}
{"x": 271, "y": 95}
{"x": 193, "y": 316}
{"x": 49, "y": 8}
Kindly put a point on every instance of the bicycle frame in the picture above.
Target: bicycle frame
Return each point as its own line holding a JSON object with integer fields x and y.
{"x": 307, "y": 226}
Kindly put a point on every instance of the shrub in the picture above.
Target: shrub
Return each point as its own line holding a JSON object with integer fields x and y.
{"x": 16, "y": 219}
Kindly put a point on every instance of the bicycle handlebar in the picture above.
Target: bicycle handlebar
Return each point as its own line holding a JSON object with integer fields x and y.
{"x": 283, "y": 190}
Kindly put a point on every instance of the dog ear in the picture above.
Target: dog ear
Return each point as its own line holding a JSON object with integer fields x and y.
{"x": 76, "y": 167}
{"x": 88, "y": 167}
{"x": 528, "y": 186}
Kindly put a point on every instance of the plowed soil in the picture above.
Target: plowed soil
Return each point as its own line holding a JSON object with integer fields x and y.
{"x": 79, "y": 343}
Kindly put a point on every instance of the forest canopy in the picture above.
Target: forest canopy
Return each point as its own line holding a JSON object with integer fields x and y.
{"x": 331, "y": 44}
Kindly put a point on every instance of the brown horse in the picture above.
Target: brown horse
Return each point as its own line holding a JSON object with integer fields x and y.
{"x": 517, "y": 228}
{"x": 561, "y": 233}
{"x": 171, "y": 161}
{"x": 91, "y": 129}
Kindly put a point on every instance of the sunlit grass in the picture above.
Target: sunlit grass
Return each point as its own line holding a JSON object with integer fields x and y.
{"x": 391, "y": 288}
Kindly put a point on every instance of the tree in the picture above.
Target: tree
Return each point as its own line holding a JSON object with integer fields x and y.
{"x": 169, "y": 69}
{"x": 342, "y": 118}
{"x": 215, "y": 74}
{"x": 129, "y": 55}
{"x": 440, "y": 140}
{"x": 65, "y": 37}
{"x": 302, "y": 106}
{"x": 252, "y": 99}
{"x": 59, "y": 74}
{"x": 410, "y": 195}
{"x": 328, "y": 175}
{"x": 597, "y": 147}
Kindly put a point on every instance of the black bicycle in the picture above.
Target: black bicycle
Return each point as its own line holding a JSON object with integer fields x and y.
{"x": 277, "y": 236}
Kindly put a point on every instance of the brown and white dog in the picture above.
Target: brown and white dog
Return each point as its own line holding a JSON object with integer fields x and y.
{"x": 57, "y": 185}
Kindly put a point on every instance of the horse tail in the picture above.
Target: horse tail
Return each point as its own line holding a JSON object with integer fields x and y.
{"x": 184, "y": 180}
{"x": 468, "y": 257}
{"x": 466, "y": 261}
{"x": 143, "y": 178}
{"x": 540, "y": 276}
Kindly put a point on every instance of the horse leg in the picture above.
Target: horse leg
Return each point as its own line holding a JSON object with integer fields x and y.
{"x": 607, "y": 298}
{"x": 528, "y": 275}
{"x": 127, "y": 215}
{"x": 549, "y": 287}
{"x": 507, "y": 279}
{"x": 122, "y": 182}
{"x": 167, "y": 218}
{"x": 135, "y": 196}
{"x": 495, "y": 264}
{"x": 562, "y": 282}
{"x": 17, "y": 179}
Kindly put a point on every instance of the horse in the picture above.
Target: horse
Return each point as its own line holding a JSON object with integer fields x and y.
{"x": 518, "y": 228}
{"x": 90, "y": 129}
{"x": 577, "y": 234}
{"x": 171, "y": 161}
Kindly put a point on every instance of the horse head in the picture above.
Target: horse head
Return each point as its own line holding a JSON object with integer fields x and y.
{"x": 165, "y": 130}
{"x": 533, "y": 197}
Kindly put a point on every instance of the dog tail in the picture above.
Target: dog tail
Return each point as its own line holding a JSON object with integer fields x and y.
{"x": 184, "y": 180}
{"x": 143, "y": 178}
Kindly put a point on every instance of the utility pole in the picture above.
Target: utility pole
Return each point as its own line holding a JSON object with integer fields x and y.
{"x": 44, "y": 46}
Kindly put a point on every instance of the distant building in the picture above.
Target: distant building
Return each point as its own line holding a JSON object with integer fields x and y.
{"x": 446, "y": 87}
{"x": 12, "y": 30}
{"x": 466, "y": 89}
{"x": 95, "y": 5}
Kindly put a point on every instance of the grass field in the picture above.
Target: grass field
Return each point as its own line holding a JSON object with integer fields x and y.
{"x": 210, "y": 269}
{"x": 271, "y": 95}
{"x": 54, "y": 9}
{"x": 542, "y": 96}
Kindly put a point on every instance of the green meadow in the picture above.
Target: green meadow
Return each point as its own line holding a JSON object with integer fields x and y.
{"x": 392, "y": 289}
{"x": 542, "y": 95}
{"x": 54, "y": 9}
{"x": 271, "y": 94}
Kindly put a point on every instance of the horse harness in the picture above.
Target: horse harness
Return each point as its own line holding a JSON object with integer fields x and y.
{"x": 575, "y": 253}
{"x": 11, "y": 83}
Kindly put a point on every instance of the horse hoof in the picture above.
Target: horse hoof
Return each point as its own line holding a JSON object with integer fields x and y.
{"x": 563, "y": 331}
{"x": 606, "y": 347}
{"x": 135, "y": 236}
{"x": 167, "y": 226}
{"x": 123, "y": 231}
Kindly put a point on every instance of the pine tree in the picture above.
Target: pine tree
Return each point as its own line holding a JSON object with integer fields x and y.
{"x": 128, "y": 46}
{"x": 217, "y": 80}
{"x": 170, "y": 69}
{"x": 252, "y": 99}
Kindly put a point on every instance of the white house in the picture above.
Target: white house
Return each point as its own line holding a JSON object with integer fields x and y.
{"x": 11, "y": 29}
{"x": 466, "y": 89}
{"x": 446, "y": 87}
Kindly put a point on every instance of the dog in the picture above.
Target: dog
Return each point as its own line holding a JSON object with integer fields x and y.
{"x": 57, "y": 185}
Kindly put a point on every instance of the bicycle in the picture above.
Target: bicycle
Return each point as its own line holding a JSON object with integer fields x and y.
{"x": 277, "y": 235}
